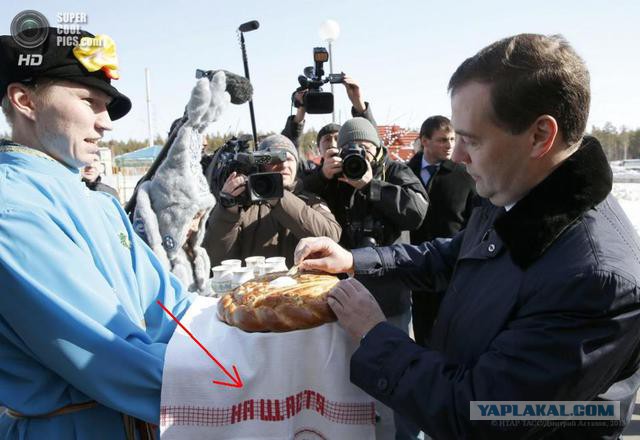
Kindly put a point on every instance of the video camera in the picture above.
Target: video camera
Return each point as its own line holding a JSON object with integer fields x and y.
{"x": 316, "y": 101}
{"x": 235, "y": 155}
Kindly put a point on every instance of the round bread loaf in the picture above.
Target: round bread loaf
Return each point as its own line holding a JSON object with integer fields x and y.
{"x": 257, "y": 306}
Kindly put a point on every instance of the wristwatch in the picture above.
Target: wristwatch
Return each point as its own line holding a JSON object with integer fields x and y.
{"x": 227, "y": 200}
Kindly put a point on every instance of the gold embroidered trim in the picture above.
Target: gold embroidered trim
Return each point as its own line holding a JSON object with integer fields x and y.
{"x": 15, "y": 148}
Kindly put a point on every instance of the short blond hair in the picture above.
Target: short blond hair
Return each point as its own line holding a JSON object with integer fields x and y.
{"x": 36, "y": 87}
{"x": 7, "y": 109}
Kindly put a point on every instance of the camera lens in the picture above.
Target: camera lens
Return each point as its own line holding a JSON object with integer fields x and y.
{"x": 354, "y": 166}
{"x": 263, "y": 186}
{"x": 29, "y": 29}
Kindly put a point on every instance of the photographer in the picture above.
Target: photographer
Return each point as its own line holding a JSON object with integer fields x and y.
{"x": 378, "y": 207}
{"x": 271, "y": 229}
{"x": 328, "y": 135}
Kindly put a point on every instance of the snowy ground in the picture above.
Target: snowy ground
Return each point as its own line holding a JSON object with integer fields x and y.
{"x": 626, "y": 188}
{"x": 628, "y": 194}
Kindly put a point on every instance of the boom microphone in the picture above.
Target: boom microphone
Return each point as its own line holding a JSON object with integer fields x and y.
{"x": 238, "y": 87}
{"x": 249, "y": 26}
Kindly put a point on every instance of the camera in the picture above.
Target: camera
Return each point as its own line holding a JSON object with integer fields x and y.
{"x": 235, "y": 155}
{"x": 316, "y": 101}
{"x": 365, "y": 233}
{"x": 354, "y": 161}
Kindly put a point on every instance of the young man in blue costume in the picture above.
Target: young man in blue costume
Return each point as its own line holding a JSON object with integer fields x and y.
{"x": 82, "y": 340}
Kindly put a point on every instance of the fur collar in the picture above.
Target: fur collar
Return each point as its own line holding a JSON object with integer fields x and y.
{"x": 535, "y": 222}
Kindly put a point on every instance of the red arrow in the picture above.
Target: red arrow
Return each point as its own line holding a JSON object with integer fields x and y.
{"x": 236, "y": 382}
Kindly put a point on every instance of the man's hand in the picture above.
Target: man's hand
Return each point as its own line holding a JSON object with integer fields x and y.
{"x": 361, "y": 182}
{"x": 332, "y": 163}
{"x": 298, "y": 98}
{"x": 356, "y": 309}
{"x": 235, "y": 185}
{"x": 353, "y": 92}
{"x": 323, "y": 254}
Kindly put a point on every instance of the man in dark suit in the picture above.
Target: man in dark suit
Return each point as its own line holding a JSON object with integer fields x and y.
{"x": 451, "y": 193}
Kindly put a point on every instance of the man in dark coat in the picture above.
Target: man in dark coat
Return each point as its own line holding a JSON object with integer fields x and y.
{"x": 92, "y": 178}
{"x": 380, "y": 207}
{"x": 452, "y": 196}
{"x": 543, "y": 302}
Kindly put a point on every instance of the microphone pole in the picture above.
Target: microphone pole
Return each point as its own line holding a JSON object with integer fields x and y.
{"x": 248, "y": 27}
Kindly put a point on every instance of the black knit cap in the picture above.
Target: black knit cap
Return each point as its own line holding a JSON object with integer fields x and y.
{"x": 327, "y": 129}
{"x": 58, "y": 62}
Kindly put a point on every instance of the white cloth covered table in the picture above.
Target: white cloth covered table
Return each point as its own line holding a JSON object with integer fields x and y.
{"x": 296, "y": 384}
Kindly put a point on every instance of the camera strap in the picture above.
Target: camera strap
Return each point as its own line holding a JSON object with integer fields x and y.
{"x": 379, "y": 162}
{"x": 351, "y": 200}
{"x": 379, "y": 153}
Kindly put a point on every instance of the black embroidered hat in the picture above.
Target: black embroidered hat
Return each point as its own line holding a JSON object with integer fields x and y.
{"x": 82, "y": 58}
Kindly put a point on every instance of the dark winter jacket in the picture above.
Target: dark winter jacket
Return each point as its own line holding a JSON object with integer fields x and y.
{"x": 97, "y": 185}
{"x": 393, "y": 204}
{"x": 542, "y": 304}
{"x": 268, "y": 231}
{"x": 452, "y": 196}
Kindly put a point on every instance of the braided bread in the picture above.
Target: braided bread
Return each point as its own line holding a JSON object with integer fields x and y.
{"x": 257, "y": 306}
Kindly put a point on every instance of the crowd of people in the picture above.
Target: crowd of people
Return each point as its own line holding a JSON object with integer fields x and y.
{"x": 499, "y": 240}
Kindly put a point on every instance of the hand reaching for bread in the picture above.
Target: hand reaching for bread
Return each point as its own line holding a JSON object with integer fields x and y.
{"x": 356, "y": 309}
{"x": 324, "y": 255}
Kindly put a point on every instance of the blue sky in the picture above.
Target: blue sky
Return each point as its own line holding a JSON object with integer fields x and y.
{"x": 402, "y": 53}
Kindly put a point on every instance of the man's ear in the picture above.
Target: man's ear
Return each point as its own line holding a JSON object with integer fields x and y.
{"x": 423, "y": 140}
{"x": 544, "y": 131}
{"x": 23, "y": 100}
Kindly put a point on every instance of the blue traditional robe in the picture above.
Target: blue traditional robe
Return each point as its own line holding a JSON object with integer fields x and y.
{"x": 78, "y": 314}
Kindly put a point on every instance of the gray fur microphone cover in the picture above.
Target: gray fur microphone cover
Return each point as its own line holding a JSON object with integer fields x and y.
{"x": 172, "y": 208}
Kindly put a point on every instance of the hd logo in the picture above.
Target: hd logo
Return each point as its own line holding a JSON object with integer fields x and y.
{"x": 29, "y": 59}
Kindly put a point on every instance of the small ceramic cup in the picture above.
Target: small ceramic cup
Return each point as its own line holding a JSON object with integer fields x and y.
{"x": 279, "y": 264}
{"x": 254, "y": 263}
{"x": 231, "y": 263}
{"x": 222, "y": 279}
{"x": 241, "y": 275}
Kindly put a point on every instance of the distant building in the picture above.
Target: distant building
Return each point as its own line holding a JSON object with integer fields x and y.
{"x": 399, "y": 141}
{"x": 106, "y": 161}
